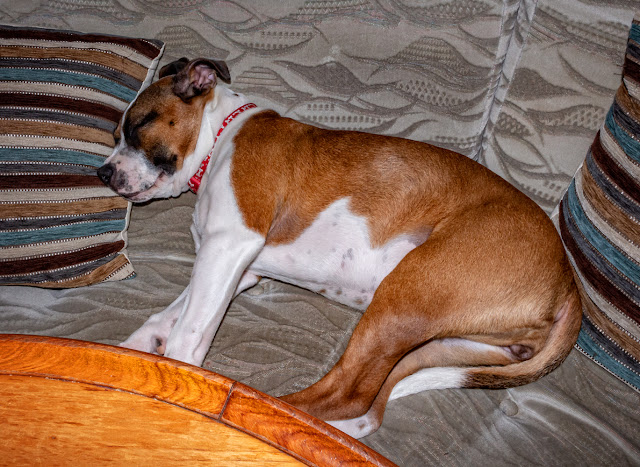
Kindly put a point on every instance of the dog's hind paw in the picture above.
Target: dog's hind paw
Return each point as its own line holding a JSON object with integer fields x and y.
{"x": 358, "y": 427}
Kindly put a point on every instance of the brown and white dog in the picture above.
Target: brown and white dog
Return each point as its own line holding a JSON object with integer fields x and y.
{"x": 464, "y": 279}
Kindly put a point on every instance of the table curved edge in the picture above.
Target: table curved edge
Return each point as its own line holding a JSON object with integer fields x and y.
{"x": 189, "y": 387}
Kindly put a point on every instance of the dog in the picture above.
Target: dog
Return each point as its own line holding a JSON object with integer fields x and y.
{"x": 463, "y": 280}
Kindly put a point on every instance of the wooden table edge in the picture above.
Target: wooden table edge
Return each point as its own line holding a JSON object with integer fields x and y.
{"x": 189, "y": 387}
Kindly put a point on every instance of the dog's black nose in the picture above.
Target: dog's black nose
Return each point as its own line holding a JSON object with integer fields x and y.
{"x": 105, "y": 173}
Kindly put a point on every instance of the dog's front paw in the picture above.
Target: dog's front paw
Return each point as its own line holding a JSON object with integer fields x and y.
{"x": 150, "y": 338}
{"x": 189, "y": 349}
{"x": 152, "y": 344}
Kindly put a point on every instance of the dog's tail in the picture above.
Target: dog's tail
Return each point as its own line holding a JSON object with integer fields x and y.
{"x": 562, "y": 337}
{"x": 422, "y": 369}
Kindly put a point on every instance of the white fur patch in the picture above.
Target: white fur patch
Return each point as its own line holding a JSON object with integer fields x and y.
{"x": 133, "y": 172}
{"x": 423, "y": 380}
{"x": 358, "y": 427}
{"x": 334, "y": 257}
{"x": 226, "y": 248}
{"x": 429, "y": 378}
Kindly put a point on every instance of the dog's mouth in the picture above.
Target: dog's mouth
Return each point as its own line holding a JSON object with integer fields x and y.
{"x": 147, "y": 193}
{"x": 134, "y": 197}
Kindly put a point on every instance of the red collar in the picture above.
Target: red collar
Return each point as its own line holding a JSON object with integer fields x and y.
{"x": 194, "y": 182}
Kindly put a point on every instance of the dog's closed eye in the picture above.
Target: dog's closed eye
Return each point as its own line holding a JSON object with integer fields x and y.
{"x": 132, "y": 128}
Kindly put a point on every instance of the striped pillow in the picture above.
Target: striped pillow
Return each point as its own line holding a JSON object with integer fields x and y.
{"x": 61, "y": 96}
{"x": 600, "y": 225}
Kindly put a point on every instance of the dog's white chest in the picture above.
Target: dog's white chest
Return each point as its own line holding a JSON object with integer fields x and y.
{"x": 334, "y": 258}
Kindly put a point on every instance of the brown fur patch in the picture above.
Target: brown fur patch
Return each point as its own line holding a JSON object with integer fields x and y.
{"x": 401, "y": 186}
{"x": 176, "y": 124}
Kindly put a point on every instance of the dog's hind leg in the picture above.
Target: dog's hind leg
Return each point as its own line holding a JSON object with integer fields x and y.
{"x": 402, "y": 316}
{"x": 442, "y": 364}
{"x": 482, "y": 280}
{"x": 448, "y": 354}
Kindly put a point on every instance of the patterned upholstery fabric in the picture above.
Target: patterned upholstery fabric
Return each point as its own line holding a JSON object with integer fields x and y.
{"x": 506, "y": 82}
{"x": 61, "y": 96}
{"x": 561, "y": 69}
{"x": 599, "y": 222}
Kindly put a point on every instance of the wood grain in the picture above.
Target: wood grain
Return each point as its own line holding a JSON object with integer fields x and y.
{"x": 64, "y": 399}
{"x": 90, "y": 425}
{"x": 113, "y": 367}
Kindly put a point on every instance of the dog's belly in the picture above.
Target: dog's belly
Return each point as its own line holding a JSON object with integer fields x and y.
{"x": 334, "y": 257}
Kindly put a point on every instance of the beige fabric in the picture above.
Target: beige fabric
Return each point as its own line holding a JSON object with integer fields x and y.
{"x": 425, "y": 70}
{"x": 520, "y": 85}
{"x": 558, "y": 83}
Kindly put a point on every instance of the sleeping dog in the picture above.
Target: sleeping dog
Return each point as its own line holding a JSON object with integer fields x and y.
{"x": 463, "y": 280}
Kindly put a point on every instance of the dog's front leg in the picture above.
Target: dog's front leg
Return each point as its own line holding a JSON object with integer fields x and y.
{"x": 152, "y": 335}
{"x": 221, "y": 262}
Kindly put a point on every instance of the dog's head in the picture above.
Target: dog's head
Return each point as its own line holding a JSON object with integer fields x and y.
{"x": 160, "y": 129}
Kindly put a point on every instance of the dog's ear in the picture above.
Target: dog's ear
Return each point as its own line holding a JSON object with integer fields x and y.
{"x": 198, "y": 77}
{"x": 173, "y": 68}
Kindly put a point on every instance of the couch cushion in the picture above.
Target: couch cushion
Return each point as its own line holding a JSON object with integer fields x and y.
{"x": 599, "y": 222}
{"x": 61, "y": 96}
{"x": 558, "y": 80}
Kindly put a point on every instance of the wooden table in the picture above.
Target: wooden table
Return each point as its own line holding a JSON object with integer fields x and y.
{"x": 68, "y": 402}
